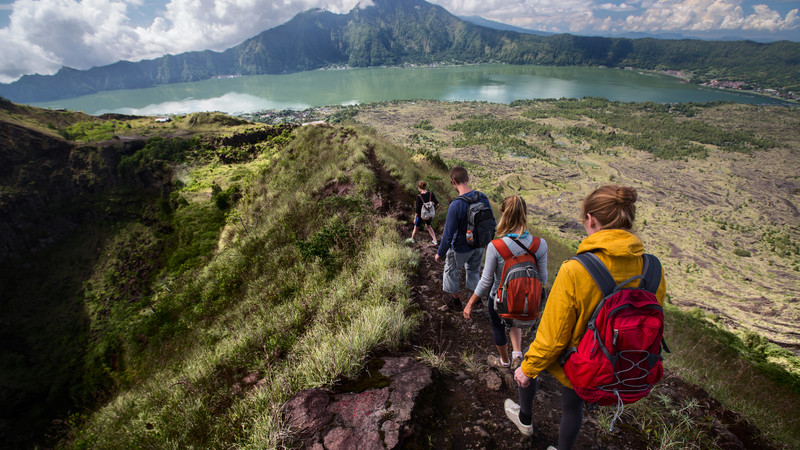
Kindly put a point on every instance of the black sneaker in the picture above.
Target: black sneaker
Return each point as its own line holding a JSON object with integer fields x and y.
{"x": 453, "y": 302}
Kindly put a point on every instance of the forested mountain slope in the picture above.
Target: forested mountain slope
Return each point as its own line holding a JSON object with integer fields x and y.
{"x": 394, "y": 32}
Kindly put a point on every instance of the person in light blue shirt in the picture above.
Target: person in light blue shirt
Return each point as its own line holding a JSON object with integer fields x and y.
{"x": 453, "y": 247}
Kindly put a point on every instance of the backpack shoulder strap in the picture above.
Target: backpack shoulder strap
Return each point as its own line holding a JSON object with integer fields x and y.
{"x": 651, "y": 273}
{"x": 502, "y": 249}
{"x": 598, "y": 271}
{"x": 532, "y": 249}
{"x": 469, "y": 200}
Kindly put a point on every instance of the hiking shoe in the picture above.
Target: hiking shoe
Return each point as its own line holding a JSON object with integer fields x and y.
{"x": 453, "y": 303}
{"x": 496, "y": 361}
{"x": 435, "y": 242}
{"x": 512, "y": 412}
{"x": 516, "y": 362}
{"x": 409, "y": 241}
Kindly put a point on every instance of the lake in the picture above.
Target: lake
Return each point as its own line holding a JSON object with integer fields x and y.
{"x": 496, "y": 83}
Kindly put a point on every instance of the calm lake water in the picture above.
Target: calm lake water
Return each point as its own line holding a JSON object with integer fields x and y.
{"x": 494, "y": 83}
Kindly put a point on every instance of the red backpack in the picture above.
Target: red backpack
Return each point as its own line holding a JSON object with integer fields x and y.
{"x": 520, "y": 292}
{"x": 627, "y": 328}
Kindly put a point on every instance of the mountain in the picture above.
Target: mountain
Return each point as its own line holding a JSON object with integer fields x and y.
{"x": 478, "y": 20}
{"x": 392, "y": 32}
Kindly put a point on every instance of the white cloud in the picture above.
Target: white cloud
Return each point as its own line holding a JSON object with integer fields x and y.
{"x": 709, "y": 15}
{"x": 43, "y": 35}
{"x": 646, "y": 15}
{"x": 612, "y": 7}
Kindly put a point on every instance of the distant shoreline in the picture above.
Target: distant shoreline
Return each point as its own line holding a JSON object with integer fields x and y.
{"x": 687, "y": 78}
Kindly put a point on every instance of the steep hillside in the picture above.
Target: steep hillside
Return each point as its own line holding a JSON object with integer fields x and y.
{"x": 395, "y": 32}
{"x": 231, "y": 266}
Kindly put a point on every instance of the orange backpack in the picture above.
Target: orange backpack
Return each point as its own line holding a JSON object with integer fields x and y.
{"x": 520, "y": 293}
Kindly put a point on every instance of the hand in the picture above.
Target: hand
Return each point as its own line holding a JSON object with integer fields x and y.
{"x": 437, "y": 258}
{"x": 467, "y": 310}
{"x": 521, "y": 379}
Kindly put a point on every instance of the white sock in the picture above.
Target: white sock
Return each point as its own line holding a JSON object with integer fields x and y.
{"x": 516, "y": 355}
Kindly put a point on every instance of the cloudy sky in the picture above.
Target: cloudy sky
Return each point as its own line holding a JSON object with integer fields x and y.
{"x": 40, "y": 36}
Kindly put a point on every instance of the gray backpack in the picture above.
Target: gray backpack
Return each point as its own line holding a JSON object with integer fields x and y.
{"x": 480, "y": 221}
{"x": 428, "y": 208}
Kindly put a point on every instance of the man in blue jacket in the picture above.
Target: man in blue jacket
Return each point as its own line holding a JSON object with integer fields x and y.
{"x": 453, "y": 246}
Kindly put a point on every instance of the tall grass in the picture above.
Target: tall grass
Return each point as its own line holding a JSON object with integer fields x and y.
{"x": 283, "y": 305}
{"x": 717, "y": 360}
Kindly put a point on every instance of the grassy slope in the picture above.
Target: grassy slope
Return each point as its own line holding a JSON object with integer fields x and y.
{"x": 291, "y": 298}
{"x": 301, "y": 290}
{"x": 684, "y": 202}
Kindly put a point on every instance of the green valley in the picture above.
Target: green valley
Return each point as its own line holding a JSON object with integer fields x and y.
{"x": 174, "y": 284}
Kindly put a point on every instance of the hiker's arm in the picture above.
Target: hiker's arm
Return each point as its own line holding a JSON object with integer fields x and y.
{"x": 557, "y": 326}
{"x": 487, "y": 279}
{"x": 541, "y": 261}
{"x": 450, "y": 228}
{"x": 489, "y": 271}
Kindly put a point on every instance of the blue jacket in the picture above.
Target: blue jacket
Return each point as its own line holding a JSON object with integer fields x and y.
{"x": 455, "y": 226}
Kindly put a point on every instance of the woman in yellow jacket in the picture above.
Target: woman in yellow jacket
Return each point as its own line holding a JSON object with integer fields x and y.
{"x": 608, "y": 215}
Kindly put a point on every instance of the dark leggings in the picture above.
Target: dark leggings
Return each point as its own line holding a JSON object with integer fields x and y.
{"x": 571, "y": 419}
{"x": 498, "y": 326}
{"x": 526, "y": 396}
{"x": 571, "y": 413}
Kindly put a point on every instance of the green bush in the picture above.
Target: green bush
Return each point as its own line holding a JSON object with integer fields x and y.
{"x": 424, "y": 124}
{"x": 172, "y": 150}
{"x": 91, "y": 131}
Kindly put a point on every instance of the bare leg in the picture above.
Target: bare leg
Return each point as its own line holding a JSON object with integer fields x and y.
{"x": 516, "y": 338}
{"x": 430, "y": 230}
{"x": 503, "y": 350}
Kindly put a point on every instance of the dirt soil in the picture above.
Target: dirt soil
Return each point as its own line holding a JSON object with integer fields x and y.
{"x": 463, "y": 408}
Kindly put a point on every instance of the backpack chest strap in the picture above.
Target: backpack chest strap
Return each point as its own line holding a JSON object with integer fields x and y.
{"x": 505, "y": 252}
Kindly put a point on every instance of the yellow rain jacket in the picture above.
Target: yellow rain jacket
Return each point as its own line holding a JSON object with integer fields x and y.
{"x": 575, "y": 296}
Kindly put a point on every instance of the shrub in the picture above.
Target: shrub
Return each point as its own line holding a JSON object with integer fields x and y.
{"x": 424, "y": 124}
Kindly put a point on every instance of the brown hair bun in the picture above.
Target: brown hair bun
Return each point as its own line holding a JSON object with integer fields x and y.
{"x": 613, "y": 206}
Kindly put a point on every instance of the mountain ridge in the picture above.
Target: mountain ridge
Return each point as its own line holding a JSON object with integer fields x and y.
{"x": 391, "y": 32}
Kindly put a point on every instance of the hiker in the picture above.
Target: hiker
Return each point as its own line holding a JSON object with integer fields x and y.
{"x": 426, "y": 204}
{"x": 513, "y": 230}
{"x": 608, "y": 215}
{"x": 468, "y": 229}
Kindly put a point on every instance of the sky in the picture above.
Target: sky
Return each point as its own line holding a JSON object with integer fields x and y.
{"x": 41, "y": 36}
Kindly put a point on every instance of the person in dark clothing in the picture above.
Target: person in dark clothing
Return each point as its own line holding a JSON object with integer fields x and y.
{"x": 454, "y": 248}
{"x": 423, "y": 199}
